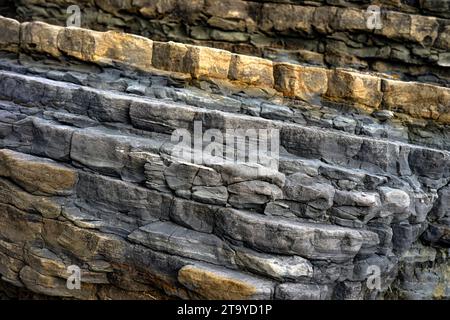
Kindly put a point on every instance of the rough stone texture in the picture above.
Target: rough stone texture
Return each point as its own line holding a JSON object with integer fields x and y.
{"x": 209, "y": 62}
{"x": 26, "y": 171}
{"x": 306, "y": 83}
{"x": 361, "y": 89}
{"x": 251, "y": 70}
{"x": 10, "y": 36}
{"x": 90, "y": 174}
{"x": 311, "y": 84}
{"x": 413, "y": 36}
{"x": 215, "y": 283}
{"x": 40, "y": 37}
{"x": 422, "y": 100}
{"x": 170, "y": 56}
{"x": 106, "y": 48}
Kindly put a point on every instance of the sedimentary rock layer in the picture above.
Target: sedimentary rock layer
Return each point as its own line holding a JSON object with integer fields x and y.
{"x": 411, "y": 41}
{"x": 89, "y": 175}
{"x": 370, "y": 92}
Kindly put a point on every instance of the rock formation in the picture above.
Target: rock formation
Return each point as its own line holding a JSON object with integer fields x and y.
{"x": 357, "y": 207}
{"x": 412, "y": 40}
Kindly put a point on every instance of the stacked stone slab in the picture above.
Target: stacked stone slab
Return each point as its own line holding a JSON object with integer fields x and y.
{"x": 370, "y": 92}
{"x": 88, "y": 176}
{"x": 413, "y": 42}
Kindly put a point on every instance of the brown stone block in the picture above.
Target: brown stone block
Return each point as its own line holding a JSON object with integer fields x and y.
{"x": 251, "y": 70}
{"x": 324, "y": 19}
{"x": 37, "y": 175}
{"x": 356, "y": 88}
{"x": 124, "y": 48}
{"x": 352, "y": 19}
{"x": 424, "y": 30}
{"x": 223, "y": 284}
{"x": 78, "y": 43}
{"x": 417, "y": 99}
{"x": 40, "y": 37}
{"x": 208, "y": 62}
{"x": 107, "y": 47}
{"x": 298, "y": 81}
{"x": 9, "y": 35}
{"x": 170, "y": 56}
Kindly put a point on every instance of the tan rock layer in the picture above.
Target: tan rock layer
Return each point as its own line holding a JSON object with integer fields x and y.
{"x": 370, "y": 92}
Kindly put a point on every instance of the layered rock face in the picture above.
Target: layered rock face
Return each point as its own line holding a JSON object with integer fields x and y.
{"x": 410, "y": 39}
{"x": 90, "y": 175}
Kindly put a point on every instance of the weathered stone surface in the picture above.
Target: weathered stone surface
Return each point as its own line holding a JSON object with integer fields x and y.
{"x": 355, "y": 88}
{"x": 203, "y": 61}
{"x": 40, "y": 37}
{"x": 127, "y": 49}
{"x": 278, "y": 235}
{"x": 250, "y": 193}
{"x": 443, "y": 40}
{"x": 278, "y": 267}
{"x": 284, "y": 31}
{"x": 12, "y": 195}
{"x": 78, "y": 43}
{"x": 108, "y": 47}
{"x": 199, "y": 217}
{"x": 50, "y": 140}
{"x": 9, "y": 38}
{"x": 148, "y": 115}
{"x": 358, "y": 199}
{"x": 100, "y": 151}
{"x": 299, "y": 291}
{"x": 173, "y": 239}
{"x": 424, "y": 29}
{"x": 306, "y": 83}
{"x": 212, "y": 195}
{"x": 395, "y": 200}
{"x": 218, "y": 283}
{"x": 170, "y": 56}
{"x": 302, "y": 188}
{"x": 418, "y": 100}
{"x": 53, "y": 286}
{"x": 180, "y": 176}
{"x": 140, "y": 205}
{"x": 283, "y": 17}
{"x": 25, "y": 170}
{"x": 350, "y": 190}
{"x": 251, "y": 70}
{"x": 240, "y": 172}
{"x": 352, "y": 19}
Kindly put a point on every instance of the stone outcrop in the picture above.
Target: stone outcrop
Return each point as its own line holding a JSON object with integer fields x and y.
{"x": 367, "y": 91}
{"x": 413, "y": 42}
{"x": 90, "y": 177}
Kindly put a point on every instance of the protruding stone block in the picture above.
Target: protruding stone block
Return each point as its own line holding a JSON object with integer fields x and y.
{"x": 78, "y": 43}
{"x": 223, "y": 284}
{"x": 251, "y": 70}
{"x": 9, "y": 35}
{"x": 170, "y": 56}
{"x": 208, "y": 62}
{"x": 26, "y": 171}
{"x": 277, "y": 235}
{"x": 357, "y": 88}
{"x": 107, "y": 47}
{"x": 40, "y": 37}
{"x": 302, "y": 82}
{"x": 126, "y": 49}
{"x": 417, "y": 99}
